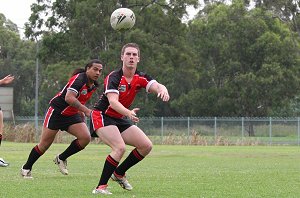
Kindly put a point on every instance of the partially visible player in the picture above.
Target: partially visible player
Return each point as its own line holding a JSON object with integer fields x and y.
{"x": 4, "y": 81}
{"x": 66, "y": 113}
{"x": 111, "y": 119}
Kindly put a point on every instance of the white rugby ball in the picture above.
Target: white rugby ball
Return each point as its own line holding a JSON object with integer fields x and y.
{"x": 122, "y": 19}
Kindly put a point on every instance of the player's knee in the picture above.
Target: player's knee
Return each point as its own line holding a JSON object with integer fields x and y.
{"x": 84, "y": 141}
{"x": 120, "y": 150}
{"x": 147, "y": 147}
{"x": 43, "y": 147}
{"x": 88, "y": 139}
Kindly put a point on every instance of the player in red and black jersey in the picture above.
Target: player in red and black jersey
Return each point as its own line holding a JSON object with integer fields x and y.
{"x": 116, "y": 82}
{"x": 111, "y": 119}
{"x": 66, "y": 113}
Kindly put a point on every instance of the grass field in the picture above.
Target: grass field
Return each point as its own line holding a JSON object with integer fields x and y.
{"x": 169, "y": 171}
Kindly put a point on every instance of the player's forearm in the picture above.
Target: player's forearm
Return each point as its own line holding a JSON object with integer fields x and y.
{"x": 161, "y": 87}
{"x": 2, "y": 82}
{"x": 118, "y": 107}
{"x": 161, "y": 90}
{"x": 75, "y": 103}
{"x": 157, "y": 88}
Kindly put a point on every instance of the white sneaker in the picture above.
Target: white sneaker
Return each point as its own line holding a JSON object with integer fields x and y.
{"x": 3, "y": 163}
{"x": 26, "y": 173}
{"x": 62, "y": 165}
{"x": 122, "y": 181}
{"x": 101, "y": 190}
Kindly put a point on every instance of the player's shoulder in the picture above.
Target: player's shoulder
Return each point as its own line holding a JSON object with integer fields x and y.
{"x": 140, "y": 73}
{"x": 143, "y": 75}
{"x": 80, "y": 78}
{"x": 116, "y": 74}
{"x": 82, "y": 75}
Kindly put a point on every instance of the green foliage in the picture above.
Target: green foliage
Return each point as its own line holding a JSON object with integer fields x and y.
{"x": 85, "y": 32}
{"x": 17, "y": 58}
{"x": 247, "y": 57}
{"x": 231, "y": 60}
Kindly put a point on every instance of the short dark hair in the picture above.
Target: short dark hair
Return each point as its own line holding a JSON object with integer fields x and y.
{"x": 134, "y": 45}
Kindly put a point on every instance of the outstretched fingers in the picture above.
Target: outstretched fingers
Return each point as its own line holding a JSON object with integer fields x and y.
{"x": 164, "y": 95}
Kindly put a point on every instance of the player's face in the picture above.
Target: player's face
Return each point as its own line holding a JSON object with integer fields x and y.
{"x": 94, "y": 71}
{"x": 130, "y": 57}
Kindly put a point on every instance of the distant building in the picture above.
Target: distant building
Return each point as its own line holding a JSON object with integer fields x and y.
{"x": 7, "y": 101}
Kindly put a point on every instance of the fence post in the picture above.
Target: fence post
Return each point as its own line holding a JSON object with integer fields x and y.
{"x": 270, "y": 130}
{"x": 162, "y": 130}
{"x": 215, "y": 128}
{"x": 298, "y": 131}
{"x": 243, "y": 128}
{"x": 188, "y": 122}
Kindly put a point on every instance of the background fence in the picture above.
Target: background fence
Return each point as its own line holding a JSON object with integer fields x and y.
{"x": 206, "y": 130}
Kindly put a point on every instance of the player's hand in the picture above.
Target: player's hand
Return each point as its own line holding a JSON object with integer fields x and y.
{"x": 82, "y": 115}
{"x": 132, "y": 115}
{"x": 7, "y": 79}
{"x": 87, "y": 113}
{"x": 164, "y": 95}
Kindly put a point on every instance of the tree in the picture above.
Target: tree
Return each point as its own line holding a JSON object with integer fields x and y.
{"x": 17, "y": 57}
{"x": 74, "y": 31}
{"x": 287, "y": 11}
{"x": 248, "y": 62}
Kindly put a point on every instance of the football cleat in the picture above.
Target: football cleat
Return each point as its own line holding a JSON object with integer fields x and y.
{"x": 62, "y": 165}
{"x": 26, "y": 173}
{"x": 122, "y": 181}
{"x": 101, "y": 190}
{"x": 3, "y": 163}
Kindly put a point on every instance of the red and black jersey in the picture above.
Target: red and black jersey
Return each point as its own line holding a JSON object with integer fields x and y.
{"x": 116, "y": 82}
{"x": 77, "y": 84}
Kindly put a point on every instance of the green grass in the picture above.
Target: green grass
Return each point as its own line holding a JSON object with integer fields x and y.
{"x": 169, "y": 171}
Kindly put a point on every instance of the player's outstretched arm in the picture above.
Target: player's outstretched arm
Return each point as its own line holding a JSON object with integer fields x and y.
{"x": 160, "y": 90}
{"x": 7, "y": 80}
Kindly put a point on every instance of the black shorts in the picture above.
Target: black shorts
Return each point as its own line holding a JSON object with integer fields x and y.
{"x": 99, "y": 119}
{"x": 55, "y": 121}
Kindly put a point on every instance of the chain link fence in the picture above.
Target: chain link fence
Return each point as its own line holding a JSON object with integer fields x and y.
{"x": 207, "y": 130}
